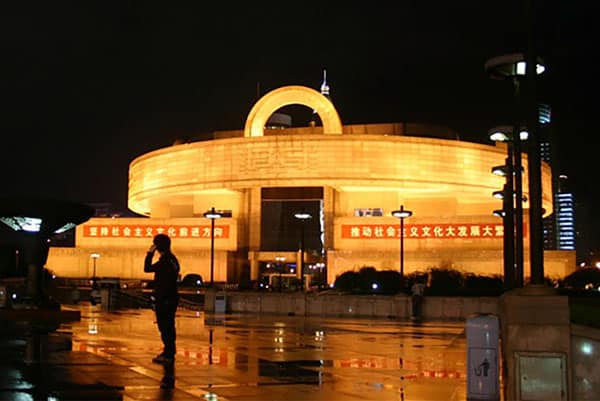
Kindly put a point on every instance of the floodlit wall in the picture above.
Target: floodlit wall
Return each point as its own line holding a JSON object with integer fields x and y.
{"x": 447, "y": 184}
{"x": 122, "y": 245}
{"x": 403, "y": 167}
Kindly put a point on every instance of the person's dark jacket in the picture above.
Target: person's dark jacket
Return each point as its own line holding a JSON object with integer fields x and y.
{"x": 166, "y": 272}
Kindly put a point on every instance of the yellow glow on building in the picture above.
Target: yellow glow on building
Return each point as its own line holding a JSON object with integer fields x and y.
{"x": 447, "y": 184}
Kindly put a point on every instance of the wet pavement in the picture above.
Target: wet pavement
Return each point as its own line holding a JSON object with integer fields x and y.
{"x": 240, "y": 357}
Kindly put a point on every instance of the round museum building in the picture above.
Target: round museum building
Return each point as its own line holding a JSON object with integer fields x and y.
{"x": 311, "y": 201}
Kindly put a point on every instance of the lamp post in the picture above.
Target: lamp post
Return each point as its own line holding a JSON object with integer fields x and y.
{"x": 303, "y": 217}
{"x": 94, "y": 257}
{"x": 515, "y": 67}
{"x": 212, "y": 214}
{"x": 280, "y": 260}
{"x": 402, "y": 214}
{"x": 512, "y": 197}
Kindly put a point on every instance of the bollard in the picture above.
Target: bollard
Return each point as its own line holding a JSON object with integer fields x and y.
{"x": 220, "y": 302}
{"x": 482, "y": 358}
{"x": 106, "y": 298}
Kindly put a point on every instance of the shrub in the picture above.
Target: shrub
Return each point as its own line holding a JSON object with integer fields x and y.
{"x": 348, "y": 281}
{"x": 444, "y": 281}
{"x": 483, "y": 285}
{"x": 581, "y": 278}
{"x": 389, "y": 282}
{"x": 361, "y": 282}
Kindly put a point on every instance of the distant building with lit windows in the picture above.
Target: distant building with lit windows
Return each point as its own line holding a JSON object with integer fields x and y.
{"x": 559, "y": 227}
{"x": 547, "y": 156}
{"x": 349, "y": 178}
{"x": 565, "y": 216}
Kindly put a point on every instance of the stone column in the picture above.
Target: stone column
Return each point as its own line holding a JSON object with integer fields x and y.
{"x": 536, "y": 344}
{"x": 254, "y": 227}
{"x": 329, "y": 209}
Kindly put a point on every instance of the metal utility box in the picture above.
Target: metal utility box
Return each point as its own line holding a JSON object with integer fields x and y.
{"x": 482, "y": 358}
{"x": 541, "y": 376}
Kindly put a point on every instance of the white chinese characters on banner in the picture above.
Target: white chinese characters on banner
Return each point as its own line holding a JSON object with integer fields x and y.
{"x": 149, "y": 231}
{"x": 422, "y": 231}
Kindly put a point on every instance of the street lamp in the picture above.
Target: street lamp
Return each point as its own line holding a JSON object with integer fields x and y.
{"x": 303, "y": 217}
{"x": 513, "y": 222}
{"x": 94, "y": 257}
{"x": 212, "y": 214}
{"x": 510, "y": 66}
{"x": 515, "y": 67}
{"x": 402, "y": 214}
{"x": 280, "y": 260}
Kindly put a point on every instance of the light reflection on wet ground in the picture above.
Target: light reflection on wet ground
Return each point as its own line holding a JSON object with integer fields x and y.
{"x": 251, "y": 357}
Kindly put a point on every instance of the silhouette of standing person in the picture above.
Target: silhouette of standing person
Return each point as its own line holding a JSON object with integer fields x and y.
{"x": 417, "y": 290}
{"x": 166, "y": 297}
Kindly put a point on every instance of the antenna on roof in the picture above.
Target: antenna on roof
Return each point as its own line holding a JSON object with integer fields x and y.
{"x": 324, "y": 92}
{"x": 324, "y": 86}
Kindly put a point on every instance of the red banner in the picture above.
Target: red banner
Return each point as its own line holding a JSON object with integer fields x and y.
{"x": 422, "y": 231}
{"x": 149, "y": 231}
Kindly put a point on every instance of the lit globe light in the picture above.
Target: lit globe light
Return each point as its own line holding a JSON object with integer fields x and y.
{"x": 524, "y": 135}
{"x": 499, "y": 136}
{"x": 522, "y": 65}
{"x": 587, "y": 348}
{"x": 402, "y": 213}
{"x": 500, "y": 171}
{"x": 505, "y": 134}
{"x": 500, "y": 195}
{"x": 509, "y": 66}
{"x": 374, "y": 286}
{"x": 598, "y": 265}
{"x": 303, "y": 215}
{"x": 212, "y": 214}
{"x": 499, "y": 213}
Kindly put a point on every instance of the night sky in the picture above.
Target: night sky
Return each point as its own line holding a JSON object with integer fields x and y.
{"x": 88, "y": 86}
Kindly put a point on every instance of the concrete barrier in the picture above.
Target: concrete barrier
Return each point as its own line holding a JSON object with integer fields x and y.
{"x": 379, "y": 306}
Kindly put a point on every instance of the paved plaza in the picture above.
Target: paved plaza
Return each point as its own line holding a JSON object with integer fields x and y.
{"x": 245, "y": 357}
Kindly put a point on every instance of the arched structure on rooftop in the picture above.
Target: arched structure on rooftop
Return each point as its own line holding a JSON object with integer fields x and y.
{"x": 285, "y": 96}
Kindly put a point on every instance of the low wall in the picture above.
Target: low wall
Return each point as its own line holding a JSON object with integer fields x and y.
{"x": 377, "y": 306}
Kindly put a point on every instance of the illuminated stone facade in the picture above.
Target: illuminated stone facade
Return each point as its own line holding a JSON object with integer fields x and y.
{"x": 447, "y": 184}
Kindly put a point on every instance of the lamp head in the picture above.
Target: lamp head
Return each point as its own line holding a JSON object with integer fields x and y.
{"x": 499, "y": 213}
{"x": 402, "y": 213}
{"x": 212, "y": 214}
{"x": 302, "y": 215}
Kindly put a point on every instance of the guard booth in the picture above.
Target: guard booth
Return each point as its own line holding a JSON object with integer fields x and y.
{"x": 483, "y": 380}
